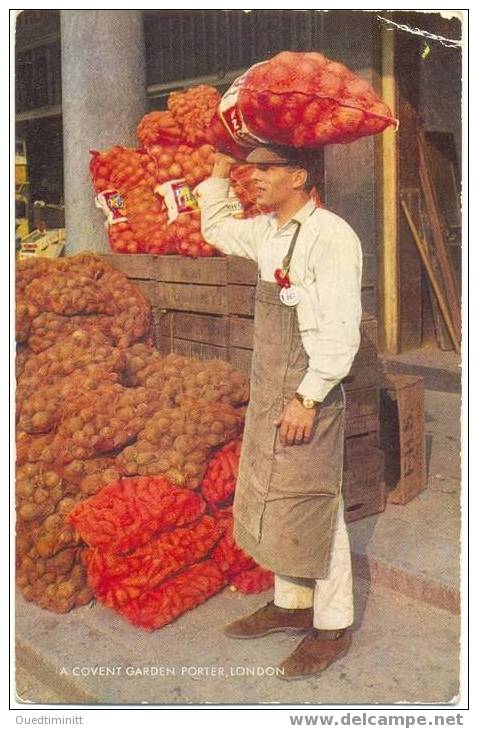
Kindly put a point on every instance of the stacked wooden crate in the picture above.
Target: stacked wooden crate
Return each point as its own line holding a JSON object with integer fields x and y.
{"x": 205, "y": 308}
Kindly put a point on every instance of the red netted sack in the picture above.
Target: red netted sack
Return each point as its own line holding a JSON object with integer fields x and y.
{"x": 253, "y": 581}
{"x": 147, "y": 217}
{"x": 301, "y": 100}
{"x": 120, "y": 169}
{"x": 122, "y": 238}
{"x": 230, "y": 558}
{"x": 193, "y": 111}
{"x": 156, "y": 608}
{"x": 128, "y": 513}
{"x": 219, "y": 481}
{"x": 157, "y": 127}
{"x": 110, "y": 574}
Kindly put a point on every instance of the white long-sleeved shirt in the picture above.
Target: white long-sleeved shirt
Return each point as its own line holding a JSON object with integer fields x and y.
{"x": 326, "y": 267}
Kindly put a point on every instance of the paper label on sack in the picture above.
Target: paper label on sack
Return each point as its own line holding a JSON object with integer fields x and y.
{"x": 233, "y": 118}
{"x": 178, "y": 197}
{"x": 113, "y": 205}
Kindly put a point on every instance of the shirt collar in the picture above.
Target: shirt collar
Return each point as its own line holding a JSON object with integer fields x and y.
{"x": 300, "y": 216}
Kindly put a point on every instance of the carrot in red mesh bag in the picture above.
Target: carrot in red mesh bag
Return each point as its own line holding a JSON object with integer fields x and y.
{"x": 301, "y": 100}
{"x": 155, "y": 608}
{"x": 128, "y": 513}
{"x": 193, "y": 110}
{"x": 219, "y": 481}
{"x": 111, "y": 575}
{"x": 157, "y": 127}
{"x": 229, "y": 557}
{"x": 253, "y": 581}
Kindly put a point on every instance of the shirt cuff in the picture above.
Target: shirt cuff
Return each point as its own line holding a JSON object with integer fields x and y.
{"x": 315, "y": 387}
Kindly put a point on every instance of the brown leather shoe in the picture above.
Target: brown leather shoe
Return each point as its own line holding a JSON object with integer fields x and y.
{"x": 270, "y": 619}
{"x": 315, "y": 653}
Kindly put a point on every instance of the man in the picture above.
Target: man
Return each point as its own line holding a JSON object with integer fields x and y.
{"x": 288, "y": 508}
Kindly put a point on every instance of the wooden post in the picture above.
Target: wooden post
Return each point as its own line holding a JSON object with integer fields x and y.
{"x": 389, "y": 280}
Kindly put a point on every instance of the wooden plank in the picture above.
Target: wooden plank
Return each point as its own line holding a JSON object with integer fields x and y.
{"x": 139, "y": 265}
{"x": 361, "y": 424}
{"x": 388, "y": 278}
{"x": 191, "y": 297}
{"x": 366, "y": 501}
{"x": 369, "y": 305}
{"x": 435, "y": 219}
{"x": 364, "y": 471}
{"x": 180, "y": 269}
{"x": 241, "y": 299}
{"x": 443, "y": 302}
{"x": 369, "y": 333}
{"x": 360, "y": 445}
{"x": 241, "y": 332}
{"x": 361, "y": 377}
{"x": 241, "y": 270}
{"x": 150, "y": 289}
{"x": 204, "y": 328}
{"x": 195, "y": 350}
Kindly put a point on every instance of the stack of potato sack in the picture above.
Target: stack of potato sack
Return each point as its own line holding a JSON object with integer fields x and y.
{"x": 95, "y": 401}
{"x": 146, "y": 193}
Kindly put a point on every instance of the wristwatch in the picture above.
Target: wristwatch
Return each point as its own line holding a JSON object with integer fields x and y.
{"x": 307, "y": 402}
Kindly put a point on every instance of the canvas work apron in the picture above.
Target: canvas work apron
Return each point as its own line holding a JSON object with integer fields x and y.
{"x": 287, "y": 496}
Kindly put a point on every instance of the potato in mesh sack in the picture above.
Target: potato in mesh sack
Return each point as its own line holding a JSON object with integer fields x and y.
{"x": 173, "y": 597}
{"x": 39, "y": 488}
{"x": 130, "y": 512}
{"x": 24, "y": 316}
{"x": 253, "y": 581}
{"x": 44, "y": 409}
{"x": 182, "y": 378}
{"x": 111, "y": 576}
{"x": 98, "y": 422}
{"x": 68, "y": 294}
{"x": 91, "y": 475}
{"x": 77, "y": 351}
{"x": 176, "y": 442}
{"x": 58, "y": 583}
{"x": 50, "y": 560}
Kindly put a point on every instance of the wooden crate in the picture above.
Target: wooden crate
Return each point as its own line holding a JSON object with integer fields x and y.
{"x": 402, "y": 416}
{"x": 364, "y": 485}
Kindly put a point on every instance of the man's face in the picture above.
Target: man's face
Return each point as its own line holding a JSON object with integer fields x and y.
{"x": 275, "y": 184}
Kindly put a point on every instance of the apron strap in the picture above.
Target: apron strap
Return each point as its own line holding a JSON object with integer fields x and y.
{"x": 288, "y": 258}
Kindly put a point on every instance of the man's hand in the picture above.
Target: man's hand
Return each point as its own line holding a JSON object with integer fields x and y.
{"x": 296, "y": 423}
{"x": 222, "y": 164}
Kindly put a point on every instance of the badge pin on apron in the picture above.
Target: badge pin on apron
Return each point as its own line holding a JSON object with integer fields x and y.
{"x": 289, "y": 294}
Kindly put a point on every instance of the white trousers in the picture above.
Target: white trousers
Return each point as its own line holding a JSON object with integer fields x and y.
{"x": 331, "y": 596}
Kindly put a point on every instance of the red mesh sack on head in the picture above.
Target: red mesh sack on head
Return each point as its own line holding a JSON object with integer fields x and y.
{"x": 301, "y": 100}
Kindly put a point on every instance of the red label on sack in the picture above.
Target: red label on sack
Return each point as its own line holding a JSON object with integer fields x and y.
{"x": 233, "y": 119}
{"x": 113, "y": 205}
{"x": 178, "y": 197}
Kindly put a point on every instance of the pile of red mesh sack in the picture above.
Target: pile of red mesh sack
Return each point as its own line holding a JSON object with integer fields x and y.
{"x": 297, "y": 100}
{"x": 154, "y": 553}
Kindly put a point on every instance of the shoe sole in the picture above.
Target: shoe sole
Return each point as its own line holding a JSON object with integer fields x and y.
{"x": 291, "y": 631}
{"x": 317, "y": 673}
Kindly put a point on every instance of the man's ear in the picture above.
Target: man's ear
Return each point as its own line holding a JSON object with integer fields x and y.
{"x": 299, "y": 179}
